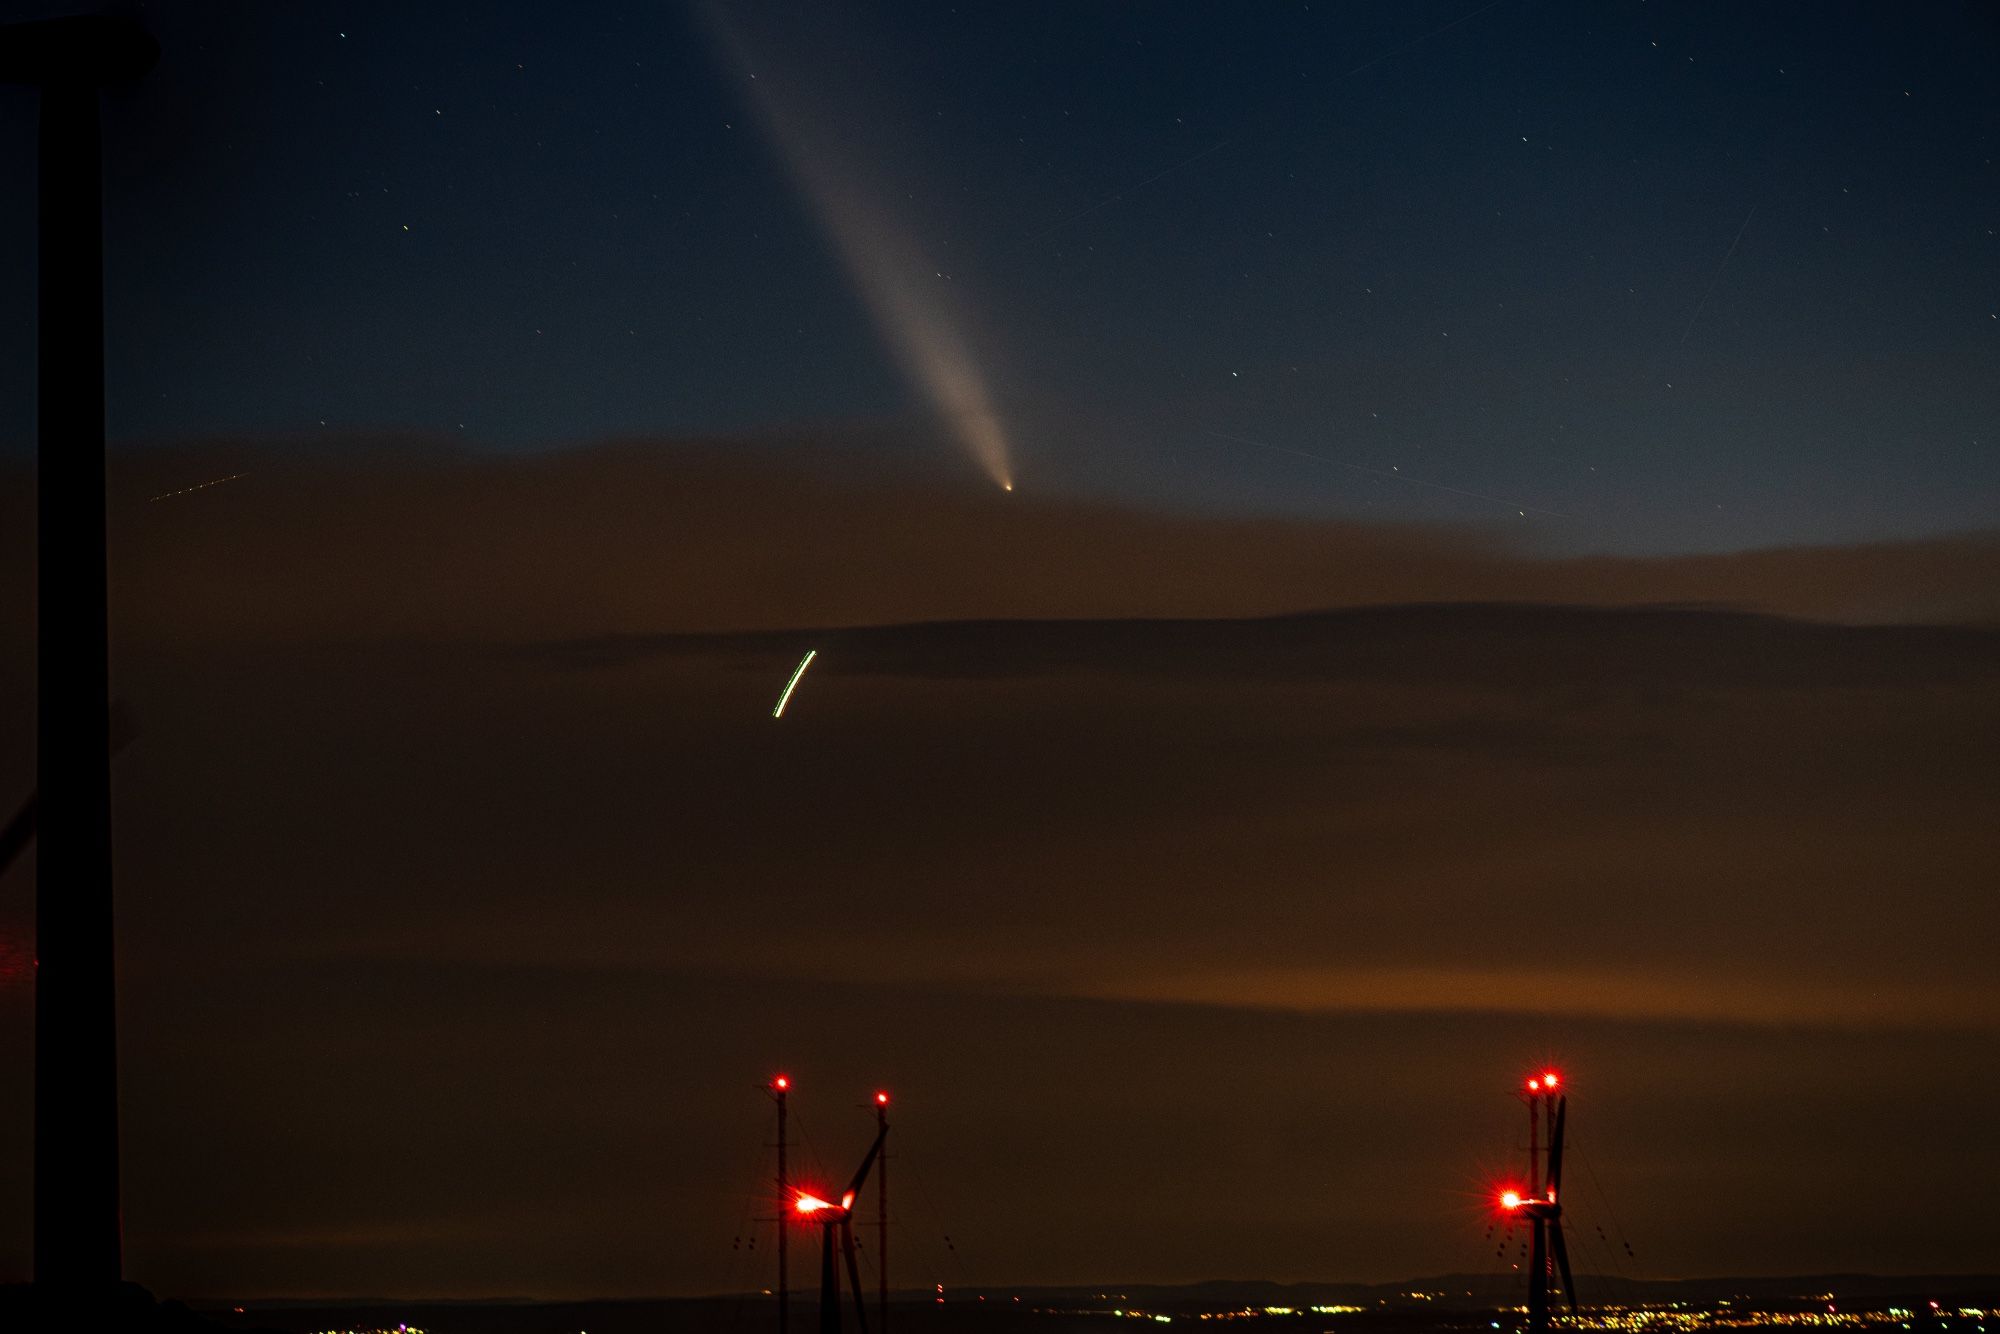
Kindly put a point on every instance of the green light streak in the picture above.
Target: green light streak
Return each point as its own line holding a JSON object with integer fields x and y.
{"x": 793, "y": 684}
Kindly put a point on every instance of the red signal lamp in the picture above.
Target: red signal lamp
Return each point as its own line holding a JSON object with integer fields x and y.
{"x": 881, "y": 1100}
{"x": 1509, "y": 1199}
{"x": 811, "y": 1204}
{"x": 781, "y": 1083}
{"x": 1549, "y": 1079}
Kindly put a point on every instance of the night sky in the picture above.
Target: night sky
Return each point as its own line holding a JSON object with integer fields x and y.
{"x": 1502, "y": 565}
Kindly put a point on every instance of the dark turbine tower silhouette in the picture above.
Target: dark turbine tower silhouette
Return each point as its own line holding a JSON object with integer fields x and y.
{"x": 1541, "y": 1203}
{"x": 77, "y": 1246}
{"x": 839, "y": 1218}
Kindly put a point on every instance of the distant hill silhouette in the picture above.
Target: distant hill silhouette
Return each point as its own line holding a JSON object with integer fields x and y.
{"x": 26, "y": 1310}
{"x": 1454, "y": 1301}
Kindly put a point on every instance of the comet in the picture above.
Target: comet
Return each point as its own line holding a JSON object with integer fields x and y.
{"x": 793, "y": 684}
{"x": 886, "y": 266}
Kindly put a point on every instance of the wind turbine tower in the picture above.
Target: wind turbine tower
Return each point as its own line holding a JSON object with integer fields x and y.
{"x": 79, "y": 1258}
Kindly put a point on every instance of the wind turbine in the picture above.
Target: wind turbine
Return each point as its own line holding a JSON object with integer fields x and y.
{"x": 78, "y": 1253}
{"x": 1541, "y": 1204}
{"x": 840, "y": 1218}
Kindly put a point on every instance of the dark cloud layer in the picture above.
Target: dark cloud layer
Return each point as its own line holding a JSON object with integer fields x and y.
{"x": 468, "y": 886}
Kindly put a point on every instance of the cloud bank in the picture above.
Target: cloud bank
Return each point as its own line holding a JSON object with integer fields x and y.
{"x": 457, "y": 777}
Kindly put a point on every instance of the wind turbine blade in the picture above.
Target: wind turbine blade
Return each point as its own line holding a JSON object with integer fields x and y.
{"x": 1562, "y": 1262}
{"x": 853, "y": 1271}
{"x": 18, "y": 831}
{"x": 874, "y": 1150}
{"x": 1556, "y": 1148}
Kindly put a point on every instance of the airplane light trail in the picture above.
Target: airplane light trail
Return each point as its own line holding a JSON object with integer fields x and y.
{"x": 203, "y": 486}
{"x": 887, "y": 267}
{"x": 793, "y": 684}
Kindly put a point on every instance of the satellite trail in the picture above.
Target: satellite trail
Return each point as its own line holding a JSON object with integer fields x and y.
{"x": 1720, "y": 269}
{"x": 793, "y": 684}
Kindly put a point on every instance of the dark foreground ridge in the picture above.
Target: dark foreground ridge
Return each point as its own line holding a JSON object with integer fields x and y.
{"x": 1887, "y": 1304}
{"x": 127, "y": 1309}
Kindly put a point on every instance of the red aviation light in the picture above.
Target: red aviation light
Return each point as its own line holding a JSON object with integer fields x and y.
{"x": 1509, "y": 1199}
{"x": 1549, "y": 1079}
{"x": 1534, "y": 1085}
{"x": 881, "y": 1100}
{"x": 781, "y": 1083}
{"x": 811, "y": 1204}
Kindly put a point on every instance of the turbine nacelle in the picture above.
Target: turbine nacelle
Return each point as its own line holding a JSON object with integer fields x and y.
{"x": 836, "y": 1224}
{"x": 812, "y": 1206}
{"x": 1514, "y": 1203}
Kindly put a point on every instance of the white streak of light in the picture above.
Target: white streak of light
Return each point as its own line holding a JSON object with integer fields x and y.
{"x": 793, "y": 684}
{"x": 1720, "y": 269}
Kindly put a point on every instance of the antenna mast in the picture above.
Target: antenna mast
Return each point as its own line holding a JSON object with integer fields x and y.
{"x": 1534, "y": 1138}
{"x": 882, "y": 1213}
{"x": 780, "y": 1087}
